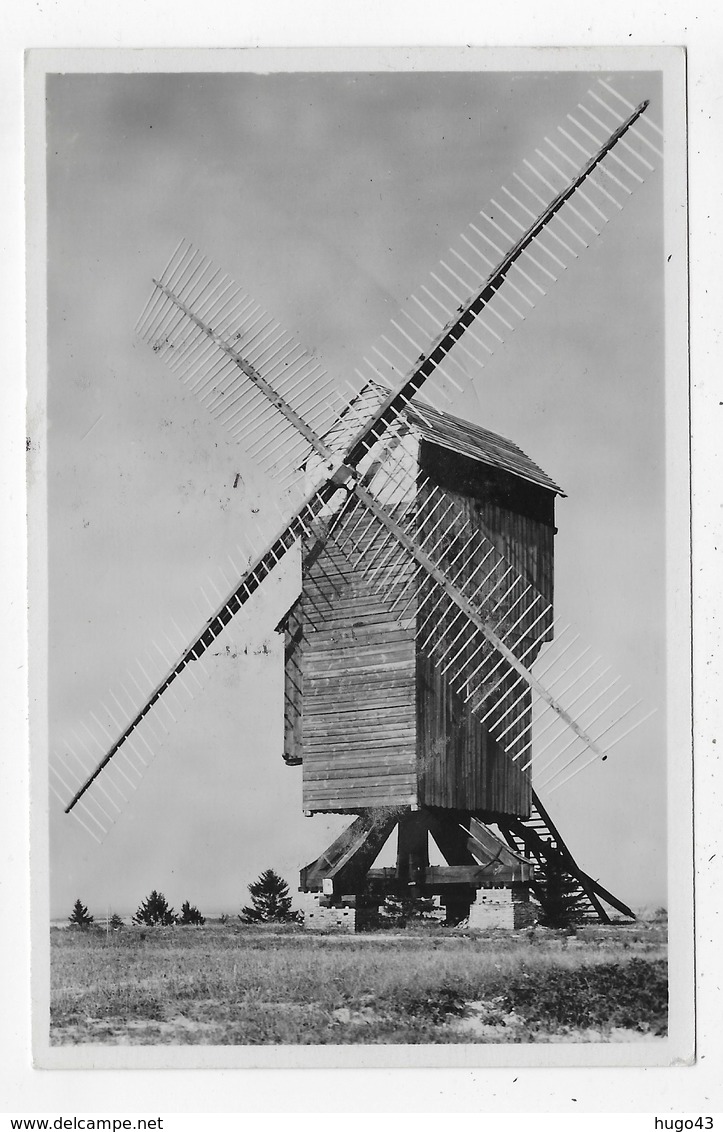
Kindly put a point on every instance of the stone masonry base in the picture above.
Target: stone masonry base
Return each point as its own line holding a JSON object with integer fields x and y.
{"x": 502, "y": 908}
{"x": 322, "y": 916}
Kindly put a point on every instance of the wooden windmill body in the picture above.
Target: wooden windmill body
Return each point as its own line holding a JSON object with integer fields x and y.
{"x": 379, "y": 729}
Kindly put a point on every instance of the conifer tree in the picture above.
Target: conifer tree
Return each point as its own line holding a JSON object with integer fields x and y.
{"x": 115, "y": 923}
{"x": 155, "y": 910}
{"x": 559, "y": 894}
{"x": 270, "y": 900}
{"x": 191, "y": 915}
{"x": 79, "y": 917}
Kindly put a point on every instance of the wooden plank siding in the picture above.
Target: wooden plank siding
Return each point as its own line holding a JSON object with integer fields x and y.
{"x": 359, "y": 731}
{"x": 460, "y": 766}
{"x": 382, "y": 724}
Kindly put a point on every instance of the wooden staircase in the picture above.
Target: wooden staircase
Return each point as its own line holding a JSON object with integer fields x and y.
{"x": 538, "y": 839}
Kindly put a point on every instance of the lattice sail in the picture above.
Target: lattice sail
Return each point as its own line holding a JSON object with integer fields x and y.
{"x": 483, "y": 623}
{"x": 254, "y": 378}
{"x": 572, "y": 224}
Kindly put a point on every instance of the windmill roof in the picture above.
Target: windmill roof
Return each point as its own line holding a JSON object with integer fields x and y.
{"x": 449, "y": 432}
{"x": 477, "y": 443}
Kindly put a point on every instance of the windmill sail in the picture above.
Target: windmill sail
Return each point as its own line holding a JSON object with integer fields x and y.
{"x": 254, "y": 378}
{"x": 250, "y": 372}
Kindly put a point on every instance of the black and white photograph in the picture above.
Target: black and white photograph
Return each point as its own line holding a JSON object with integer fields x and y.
{"x": 357, "y": 457}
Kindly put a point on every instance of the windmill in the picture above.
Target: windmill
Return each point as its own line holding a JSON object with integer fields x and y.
{"x": 256, "y": 381}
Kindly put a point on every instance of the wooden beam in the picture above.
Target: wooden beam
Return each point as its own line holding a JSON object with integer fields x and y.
{"x": 494, "y": 854}
{"x": 441, "y": 878}
{"x": 451, "y": 839}
{"x": 412, "y": 847}
{"x": 475, "y": 874}
{"x": 347, "y": 860}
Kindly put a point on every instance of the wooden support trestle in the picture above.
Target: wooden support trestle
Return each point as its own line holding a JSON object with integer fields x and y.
{"x": 476, "y": 858}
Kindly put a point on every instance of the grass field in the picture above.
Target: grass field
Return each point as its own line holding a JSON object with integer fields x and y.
{"x": 237, "y": 985}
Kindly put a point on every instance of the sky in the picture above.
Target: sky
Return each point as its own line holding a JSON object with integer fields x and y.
{"x": 329, "y": 197}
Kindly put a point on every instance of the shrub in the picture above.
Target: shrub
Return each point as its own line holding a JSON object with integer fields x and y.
{"x": 403, "y": 909}
{"x": 115, "y": 923}
{"x": 155, "y": 910}
{"x": 435, "y": 1004}
{"x": 631, "y": 994}
{"x": 270, "y": 900}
